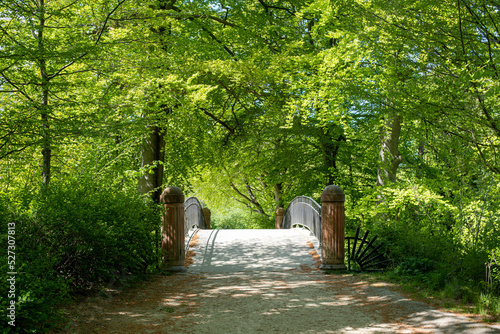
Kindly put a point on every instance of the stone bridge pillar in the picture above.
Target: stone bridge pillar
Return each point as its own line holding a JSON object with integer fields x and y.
{"x": 332, "y": 228}
{"x": 172, "y": 229}
{"x": 280, "y": 212}
{"x": 207, "y": 214}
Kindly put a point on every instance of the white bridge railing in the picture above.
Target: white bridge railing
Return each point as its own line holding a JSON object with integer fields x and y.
{"x": 193, "y": 218}
{"x": 303, "y": 211}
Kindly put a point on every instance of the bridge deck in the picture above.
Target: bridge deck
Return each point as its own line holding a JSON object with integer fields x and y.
{"x": 253, "y": 250}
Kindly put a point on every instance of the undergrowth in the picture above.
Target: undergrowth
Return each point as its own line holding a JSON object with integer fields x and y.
{"x": 70, "y": 239}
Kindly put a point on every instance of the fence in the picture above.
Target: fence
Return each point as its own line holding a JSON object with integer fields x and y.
{"x": 193, "y": 218}
{"x": 303, "y": 211}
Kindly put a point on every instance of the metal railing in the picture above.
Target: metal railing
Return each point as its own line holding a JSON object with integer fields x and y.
{"x": 193, "y": 219}
{"x": 193, "y": 214}
{"x": 303, "y": 211}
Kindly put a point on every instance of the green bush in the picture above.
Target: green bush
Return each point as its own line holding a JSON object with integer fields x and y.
{"x": 38, "y": 287}
{"x": 412, "y": 221}
{"x": 239, "y": 218}
{"x": 436, "y": 239}
{"x": 493, "y": 285}
{"x": 423, "y": 270}
{"x": 416, "y": 266}
{"x": 96, "y": 233}
{"x": 71, "y": 238}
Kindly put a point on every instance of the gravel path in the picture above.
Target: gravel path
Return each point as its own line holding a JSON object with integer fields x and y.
{"x": 261, "y": 281}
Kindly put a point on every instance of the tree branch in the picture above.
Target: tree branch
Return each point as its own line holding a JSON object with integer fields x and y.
{"x": 202, "y": 16}
{"x": 267, "y": 7}
{"x": 218, "y": 120}
{"x": 15, "y": 86}
{"x": 99, "y": 36}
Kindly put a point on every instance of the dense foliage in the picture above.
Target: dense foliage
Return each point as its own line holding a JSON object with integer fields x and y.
{"x": 72, "y": 239}
{"x": 247, "y": 104}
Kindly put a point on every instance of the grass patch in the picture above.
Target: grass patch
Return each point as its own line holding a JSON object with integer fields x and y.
{"x": 168, "y": 309}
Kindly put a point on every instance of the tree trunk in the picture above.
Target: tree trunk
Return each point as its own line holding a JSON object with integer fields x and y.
{"x": 421, "y": 153}
{"x": 330, "y": 149}
{"x": 44, "y": 116}
{"x": 389, "y": 157}
{"x": 153, "y": 154}
{"x": 278, "y": 199}
{"x": 46, "y": 149}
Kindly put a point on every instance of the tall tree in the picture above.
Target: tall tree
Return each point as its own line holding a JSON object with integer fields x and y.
{"x": 42, "y": 71}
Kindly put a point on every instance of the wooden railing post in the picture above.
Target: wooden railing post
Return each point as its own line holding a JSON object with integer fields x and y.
{"x": 280, "y": 212}
{"x": 172, "y": 229}
{"x": 332, "y": 228}
{"x": 207, "y": 214}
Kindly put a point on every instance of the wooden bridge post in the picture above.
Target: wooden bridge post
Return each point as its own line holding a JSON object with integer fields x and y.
{"x": 172, "y": 229}
{"x": 207, "y": 214}
{"x": 280, "y": 212}
{"x": 332, "y": 228}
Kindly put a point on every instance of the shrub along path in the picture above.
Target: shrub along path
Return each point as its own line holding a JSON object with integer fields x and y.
{"x": 261, "y": 281}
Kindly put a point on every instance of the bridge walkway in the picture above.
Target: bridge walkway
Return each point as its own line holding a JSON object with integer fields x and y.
{"x": 219, "y": 251}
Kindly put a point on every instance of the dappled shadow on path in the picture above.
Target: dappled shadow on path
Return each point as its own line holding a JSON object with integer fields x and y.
{"x": 265, "y": 302}
{"x": 252, "y": 250}
{"x": 255, "y": 281}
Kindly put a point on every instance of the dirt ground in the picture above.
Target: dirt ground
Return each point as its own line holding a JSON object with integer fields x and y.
{"x": 298, "y": 300}
{"x": 294, "y": 301}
